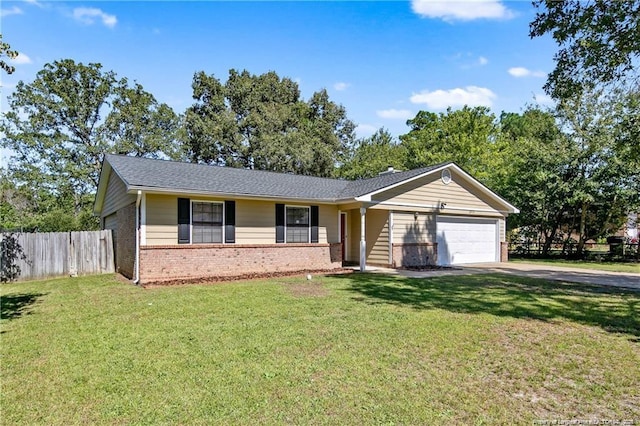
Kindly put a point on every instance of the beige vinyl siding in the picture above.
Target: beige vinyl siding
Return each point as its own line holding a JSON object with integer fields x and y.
{"x": 430, "y": 190}
{"x": 408, "y": 229}
{"x": 255, "y": 220}
{"x": 502, "y": 225}
{"x": 377, "y": 236}
{"x": 161, "y": 219}
{"x": 116, "y": 196}
{"x": 354, "y": 237}
{"x": 328, "y": 224}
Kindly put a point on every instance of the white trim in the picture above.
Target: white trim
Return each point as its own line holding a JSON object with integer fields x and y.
{"x": 191, "y": 201}
{"x": 497, "y": 259}
{"x": 309, "y": 227}
{"x": 390, "y": 226}
{"x": 474, "y": 182}
{"x": 143, "y": 219}
{"x": 137, "y": 235}
{"x": 435, "y": 207}
{"x": 363, "y": 241}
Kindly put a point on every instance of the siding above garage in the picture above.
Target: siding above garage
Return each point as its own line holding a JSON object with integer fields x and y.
{"x": 430, "y": 192}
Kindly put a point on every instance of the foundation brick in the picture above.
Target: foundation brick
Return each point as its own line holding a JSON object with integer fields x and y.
{"x": 198, "y": 261}
{"x": 414, "y": 254}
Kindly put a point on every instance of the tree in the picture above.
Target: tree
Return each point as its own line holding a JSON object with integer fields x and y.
{"x": 261, "y": 122}
{"x": 599, "y": 42}
{"x": 6, "y": 52}
{"x": 373, "y": 155}
{"x": 607, "y": 184}
{"x": 60, "y": 126}
{"x": 466, "y": 137}
{"x": 533, "y": 155}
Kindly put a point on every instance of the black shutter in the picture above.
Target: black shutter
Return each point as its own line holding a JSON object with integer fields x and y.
{"x": 314, "y": 224}
{"x": 184, "y": 220}
{"x": 280, "y": 223}
{"x": 229, "y": 221}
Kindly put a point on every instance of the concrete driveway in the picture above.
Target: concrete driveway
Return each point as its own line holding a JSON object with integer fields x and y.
{"x": 560, "y": 273}
{"x": 547, "y": 272}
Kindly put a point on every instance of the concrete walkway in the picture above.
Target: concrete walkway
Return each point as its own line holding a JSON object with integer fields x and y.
{"x": 547, "y": 272}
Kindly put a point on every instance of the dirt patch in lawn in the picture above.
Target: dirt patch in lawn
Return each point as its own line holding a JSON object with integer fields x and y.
{"x": 306, "y": 289}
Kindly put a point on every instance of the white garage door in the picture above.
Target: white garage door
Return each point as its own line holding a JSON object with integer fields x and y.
{"x": 466, "y": 240}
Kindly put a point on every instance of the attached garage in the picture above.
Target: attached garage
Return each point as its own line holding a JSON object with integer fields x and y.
{"x": 467, "y": 240}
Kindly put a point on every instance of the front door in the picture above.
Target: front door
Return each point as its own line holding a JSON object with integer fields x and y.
{"x": 343, "y": 235}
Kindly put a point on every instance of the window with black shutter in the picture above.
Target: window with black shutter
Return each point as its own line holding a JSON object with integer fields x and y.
{"x": 279, "y": 223}
{"x": 184, "y": 221}
{"x": 229, "y": 221}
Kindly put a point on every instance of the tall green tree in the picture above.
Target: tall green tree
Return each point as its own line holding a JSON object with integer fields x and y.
{"x": 466, "y": 136}
{"x": 261, "y": 122}
{"x": 533, "y": 172}
{"x": 607, "y": 184}
{"x": 60, "y": 126}
{"x": 373, "y": 155}
{"x": 599, "y": 42}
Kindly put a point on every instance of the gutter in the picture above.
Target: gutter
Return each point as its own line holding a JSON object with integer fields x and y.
{"x": 136, "y": 281}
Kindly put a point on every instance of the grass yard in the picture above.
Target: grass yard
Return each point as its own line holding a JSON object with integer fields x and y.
{"x": 350, "y": 349}
{"x": 583, "y": 264}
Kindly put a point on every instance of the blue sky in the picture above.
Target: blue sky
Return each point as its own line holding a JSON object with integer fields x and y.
{"x": 384, "y": 61}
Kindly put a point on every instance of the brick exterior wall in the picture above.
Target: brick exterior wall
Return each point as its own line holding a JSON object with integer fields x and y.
{"x": 125, "y": 242}
{"x": 504, "y": 251}
{"x": 198, "y": 261}
{"x": 414, "y": 254}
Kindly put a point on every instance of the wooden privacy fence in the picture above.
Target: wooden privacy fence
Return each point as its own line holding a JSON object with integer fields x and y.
{"x": 51, "y": 254}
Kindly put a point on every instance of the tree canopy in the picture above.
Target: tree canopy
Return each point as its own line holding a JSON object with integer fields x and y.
{"x": 261, "y": 122}
{"x": 464, "y": 136}
{"x": 60, "y": 126}
{"x": 599, "y": 42}
{"x": 373, "y": 155}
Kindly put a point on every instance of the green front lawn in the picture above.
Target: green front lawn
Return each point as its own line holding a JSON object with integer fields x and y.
{"x": 583, "y": 264}
{"x": 350, "y": 349}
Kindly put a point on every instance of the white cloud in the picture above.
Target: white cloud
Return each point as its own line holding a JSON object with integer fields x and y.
{"x": 15, "y": 10}
{"x": 340, "y": 86}
{"x": 441, "y": 99}
{"x": 524, "y": 72}
{"x": 87, "y": 15}
{"x": 34, "y": 3}
{"x": 482, "y": 60}
{"x": 467, "y": 10}
{"x": 395, "y": 114}
{"x": 21, "y": 59}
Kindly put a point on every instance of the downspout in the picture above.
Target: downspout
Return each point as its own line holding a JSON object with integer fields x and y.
{"x": 137, "y": 273}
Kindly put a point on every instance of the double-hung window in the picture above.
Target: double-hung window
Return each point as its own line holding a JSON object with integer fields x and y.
{"x": 298, "y": 224}
{"x": 202, "y": 222}
{"x": 206, "y": 222}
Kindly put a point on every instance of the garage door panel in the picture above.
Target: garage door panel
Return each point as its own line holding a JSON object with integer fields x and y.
{"x": 466, "y": 240}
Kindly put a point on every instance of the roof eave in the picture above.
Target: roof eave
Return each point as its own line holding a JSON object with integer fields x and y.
{"x": 101, "y": 191}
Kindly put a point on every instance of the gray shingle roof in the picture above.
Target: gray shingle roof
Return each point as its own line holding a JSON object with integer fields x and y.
{"x": 201, "y": 178}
